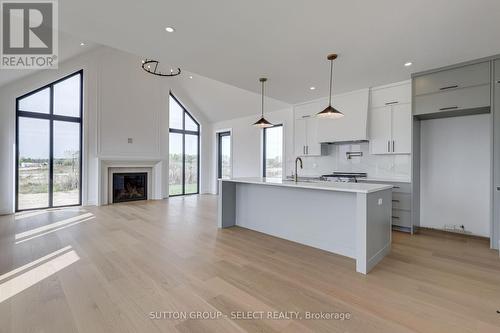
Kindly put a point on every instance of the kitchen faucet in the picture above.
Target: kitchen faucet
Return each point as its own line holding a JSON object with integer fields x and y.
{"x": 296, "y": 176}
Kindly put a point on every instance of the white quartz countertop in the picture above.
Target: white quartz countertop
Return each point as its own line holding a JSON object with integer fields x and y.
{"x": 314, "y": 185}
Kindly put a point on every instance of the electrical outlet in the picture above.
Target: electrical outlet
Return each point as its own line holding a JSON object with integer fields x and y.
{"x": 130, "y": 140}
{"x": 380, "y": 201}
{"x": 455, "y": 228}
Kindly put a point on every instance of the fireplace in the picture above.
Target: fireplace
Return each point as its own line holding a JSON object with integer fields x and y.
{"x": 130, "y": 186}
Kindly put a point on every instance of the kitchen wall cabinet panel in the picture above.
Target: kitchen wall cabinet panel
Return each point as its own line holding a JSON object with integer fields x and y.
{"x": 390, "y": 95}
{"x": 453, "y": 101}
{"x": 313, "y": 142}
{"x": 300, "y": 136}
{"x": 306, "y": 130}
{"x": 380, "y": 130}
{"x": 401, "y": 129}
{"x": 390, "y": 122}
{"x": 457, "y": 78}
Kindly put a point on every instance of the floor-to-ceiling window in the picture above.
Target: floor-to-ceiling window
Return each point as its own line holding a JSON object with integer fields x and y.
{"x": 184, "y": 150}
{"x": 49, "y": 145}
{"x": 273, "y": 152}
{"x": 224, "y": 155}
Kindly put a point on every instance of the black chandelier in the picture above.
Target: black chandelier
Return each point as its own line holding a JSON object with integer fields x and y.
{"x": 151, "y": 66}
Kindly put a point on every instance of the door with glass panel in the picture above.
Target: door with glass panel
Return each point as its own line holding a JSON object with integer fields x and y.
{"x": 184, "y": 150}
{"x": 224, "y": 155}
{"x": 49, "y": 145}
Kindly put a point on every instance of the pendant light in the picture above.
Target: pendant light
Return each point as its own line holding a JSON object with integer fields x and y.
{"x": 330, "y": 112}
{"x": 262, "y": 122}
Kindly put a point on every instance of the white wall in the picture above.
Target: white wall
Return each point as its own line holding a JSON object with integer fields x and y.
{"x": 121, "y": 101}
{"x": 246, "y": 143}
{"x": 455, "y": 173}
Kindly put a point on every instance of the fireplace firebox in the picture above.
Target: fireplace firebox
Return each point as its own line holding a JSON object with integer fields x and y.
{"x": 130, "y": 186}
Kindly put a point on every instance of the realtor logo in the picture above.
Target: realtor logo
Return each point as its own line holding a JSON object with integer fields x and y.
{"x": 29, "y": 34}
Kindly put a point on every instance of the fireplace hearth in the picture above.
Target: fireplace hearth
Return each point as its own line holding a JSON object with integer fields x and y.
{"x": 130, "y": 186}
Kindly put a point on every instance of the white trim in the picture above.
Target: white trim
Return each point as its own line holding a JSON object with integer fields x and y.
{"x": 104, "y": 166}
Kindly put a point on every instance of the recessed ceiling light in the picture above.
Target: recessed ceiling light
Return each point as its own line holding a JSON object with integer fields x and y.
{"x": 408, "y": 64}
{"x": 169, "y": 29}
{"x": 312, "y": 88}
{"x": 82, "y": 44}
{"x": 190, "y": 76}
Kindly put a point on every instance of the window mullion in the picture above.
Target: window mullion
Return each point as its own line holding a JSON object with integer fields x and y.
{"x": 184, "y": 152}
{"x": 51, "y": 148}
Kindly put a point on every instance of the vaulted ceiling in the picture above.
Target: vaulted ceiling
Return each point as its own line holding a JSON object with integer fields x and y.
{"x": 236, "y": 42}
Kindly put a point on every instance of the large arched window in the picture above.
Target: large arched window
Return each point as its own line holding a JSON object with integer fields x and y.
{"x": 184, "y": 150}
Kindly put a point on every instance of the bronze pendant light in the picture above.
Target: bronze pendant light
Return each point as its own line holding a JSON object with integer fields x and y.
{"x": 262, "y": 122}
{"x": 330, "y": 112}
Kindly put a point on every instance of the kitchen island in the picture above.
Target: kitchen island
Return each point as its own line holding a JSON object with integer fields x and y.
{"x": 350, "y": 219}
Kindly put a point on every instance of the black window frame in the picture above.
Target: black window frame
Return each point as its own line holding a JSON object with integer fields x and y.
{"x": 51, "y": 117}
{"x": 220, "y": 135}
{"x": 183, "y": 131}
{"x": 264, "y": 134}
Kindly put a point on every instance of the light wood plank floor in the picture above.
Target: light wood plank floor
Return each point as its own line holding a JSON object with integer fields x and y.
{"x": 105, "y": 269}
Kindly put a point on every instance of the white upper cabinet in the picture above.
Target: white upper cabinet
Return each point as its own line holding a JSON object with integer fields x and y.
{"x": 306, "y": 130}
{"x": 351, "y": 127}
{"x": 390, "y": 95}
{"x": 390, "y": 119}
{"x": 300, "y": 137}
{"x": 380, "y": 130}
{"x": 401, "y": 128}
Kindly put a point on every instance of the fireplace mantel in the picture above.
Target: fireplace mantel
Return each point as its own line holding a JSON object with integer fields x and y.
{"x": 108, "y": 166}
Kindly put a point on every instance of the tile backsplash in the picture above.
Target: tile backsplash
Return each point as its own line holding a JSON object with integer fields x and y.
{"x": 389, "y": 167}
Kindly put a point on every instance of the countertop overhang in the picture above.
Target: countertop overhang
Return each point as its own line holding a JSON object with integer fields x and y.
{"x": 325, "y": 186}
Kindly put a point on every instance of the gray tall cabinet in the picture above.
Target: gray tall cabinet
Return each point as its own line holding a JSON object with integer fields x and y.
{"x": 496, "y": 155}
{"x": 463, "y": 89}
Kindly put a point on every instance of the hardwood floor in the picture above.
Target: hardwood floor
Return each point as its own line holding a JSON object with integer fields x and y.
{"x": 106, "y": 269}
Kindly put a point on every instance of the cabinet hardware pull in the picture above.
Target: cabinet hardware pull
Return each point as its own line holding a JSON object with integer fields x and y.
{"x": 394, "y": 200}
{"x": 448, "y": 87}
{"x": 304, "y": 150}
{"x": 449, "y": 108}
{"x": 393, "y": 145}
{"x": 306, "y": 116}
{"x": 390, "y": 103}
{"x": 395, "y": 217}
{"x": 498, "y": 81}
{"x": 396, "y": 186}
{"x": 307, "y": 150}
{"x": 498, "y": 188}
{"x": 388, "y": 146}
